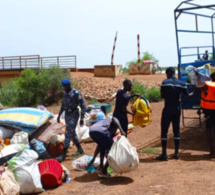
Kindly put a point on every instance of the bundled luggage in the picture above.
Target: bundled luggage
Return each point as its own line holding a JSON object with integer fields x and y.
{"x": 122, "y": 156}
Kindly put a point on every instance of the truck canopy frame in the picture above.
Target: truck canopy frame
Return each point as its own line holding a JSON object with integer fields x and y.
{"x": 190, "y": 7}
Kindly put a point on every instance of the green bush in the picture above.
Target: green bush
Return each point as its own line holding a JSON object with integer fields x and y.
{"x": 153, "y": 94}
{"x": 8, "y": 93}
{"x": 138, "y": 88}
{"x": 146, "y": 56}
{"x": 34, "y": 87}
{"x": 211, "y": 57}
{"x": 125, "y": 70}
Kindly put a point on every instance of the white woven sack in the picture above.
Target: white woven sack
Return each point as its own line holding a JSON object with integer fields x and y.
{"x": 20, "y": 138}
{"x": 123, "y": 157}
{"x": 8, "y": 184}
{"x": 26, "y": 172}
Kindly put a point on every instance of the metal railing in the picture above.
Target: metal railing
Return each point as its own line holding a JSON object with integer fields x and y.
{"x": 62, "y": 61}
{"x": 36, "y": 62}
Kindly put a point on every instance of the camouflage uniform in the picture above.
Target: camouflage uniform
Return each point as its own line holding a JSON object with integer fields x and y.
{"x": 70, "y": 104}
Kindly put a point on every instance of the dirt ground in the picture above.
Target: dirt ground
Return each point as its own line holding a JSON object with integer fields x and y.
{"x": 192, "y": 174}
{"x": 104, "y": 87}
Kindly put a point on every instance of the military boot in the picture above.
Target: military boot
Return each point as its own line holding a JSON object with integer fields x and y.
{"x": 62, "y": 156}
{"x": 80, "y": 151}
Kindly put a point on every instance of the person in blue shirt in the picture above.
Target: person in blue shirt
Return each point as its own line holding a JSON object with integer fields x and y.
{"x": 171, "y": 90}
{"x": 72, "y": 98}
{"x": 122, "y": 100}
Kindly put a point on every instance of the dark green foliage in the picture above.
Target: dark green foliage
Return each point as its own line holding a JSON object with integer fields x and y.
{"x": 9, "y": 92}
{"x": 34, "y": 87}
{"x": 125, "y": 70}
{"x": 146, "y": 56}
{"x": 138, "y": 88}
{"x": 152, "y": 94}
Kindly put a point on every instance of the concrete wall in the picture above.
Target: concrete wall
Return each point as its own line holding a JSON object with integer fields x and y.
{"x": 107, "y": 70}
{"x": 6, "y": 75}
{"x": 141, "y": 69}
{"x": 86, "y": 70}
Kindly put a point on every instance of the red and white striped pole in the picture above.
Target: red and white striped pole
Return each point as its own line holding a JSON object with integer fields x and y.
{"x": 138, "y": 48}
{"x": 114, "y": 46}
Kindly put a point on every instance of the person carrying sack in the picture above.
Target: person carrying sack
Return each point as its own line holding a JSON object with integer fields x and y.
{"x": 102, "y": 133}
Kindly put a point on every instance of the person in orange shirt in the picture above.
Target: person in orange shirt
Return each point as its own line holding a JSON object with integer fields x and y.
{"x": 208, "y": 107}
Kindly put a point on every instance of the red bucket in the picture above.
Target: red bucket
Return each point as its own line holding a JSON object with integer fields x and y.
{"x": 51, "y": 173}
{"x": 55, "y": 150}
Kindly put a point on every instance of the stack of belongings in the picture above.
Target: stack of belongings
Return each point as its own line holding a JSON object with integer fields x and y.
{"x": 95, "y": 114}
{"x": 25, "y": 133}
{"x": 197, "y": 76}
{"x": 16, "y": 126}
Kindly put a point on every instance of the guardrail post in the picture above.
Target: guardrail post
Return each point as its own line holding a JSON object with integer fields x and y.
{"x": 11, "y": 64}
{"x": 3, "y": 63}
{"x": 20, "y": 61}
{"x": 41, "y": 62}
{"x": 58, "y": 61}
{"x": 75, "y": 62}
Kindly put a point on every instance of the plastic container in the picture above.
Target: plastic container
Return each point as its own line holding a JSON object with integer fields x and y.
{"x": 51, "y": 172}
{"x": 106, "y": 108}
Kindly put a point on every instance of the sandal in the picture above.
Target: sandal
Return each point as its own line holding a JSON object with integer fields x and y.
{"x": 102, "y": 175}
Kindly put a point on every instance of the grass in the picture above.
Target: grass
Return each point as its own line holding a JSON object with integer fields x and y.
{"x": 93, "y": 101}
{"x": 150, "y": 150}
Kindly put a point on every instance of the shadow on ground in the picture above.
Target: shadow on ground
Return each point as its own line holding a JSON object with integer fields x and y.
{"x": 116, "y": 180}
{"x": 192, "y": 139}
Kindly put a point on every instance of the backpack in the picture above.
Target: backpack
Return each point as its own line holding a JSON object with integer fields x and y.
{"x": 142, "y": 109}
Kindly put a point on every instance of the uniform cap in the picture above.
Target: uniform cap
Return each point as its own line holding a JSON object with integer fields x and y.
{"x": 65, "y": 81}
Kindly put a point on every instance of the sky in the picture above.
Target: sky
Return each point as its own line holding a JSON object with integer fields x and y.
{"x": 86, "y": 28}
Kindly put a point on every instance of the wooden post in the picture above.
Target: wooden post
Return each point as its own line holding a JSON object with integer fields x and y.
{"x": 114, "y": 46}
{"x": 138, "y": 47}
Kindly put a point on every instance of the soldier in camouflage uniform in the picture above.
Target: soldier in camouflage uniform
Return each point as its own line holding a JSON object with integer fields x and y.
{"x": 72, "y": 98}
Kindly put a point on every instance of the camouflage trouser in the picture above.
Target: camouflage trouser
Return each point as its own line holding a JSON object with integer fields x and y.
{"x": 71, "y": 120}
